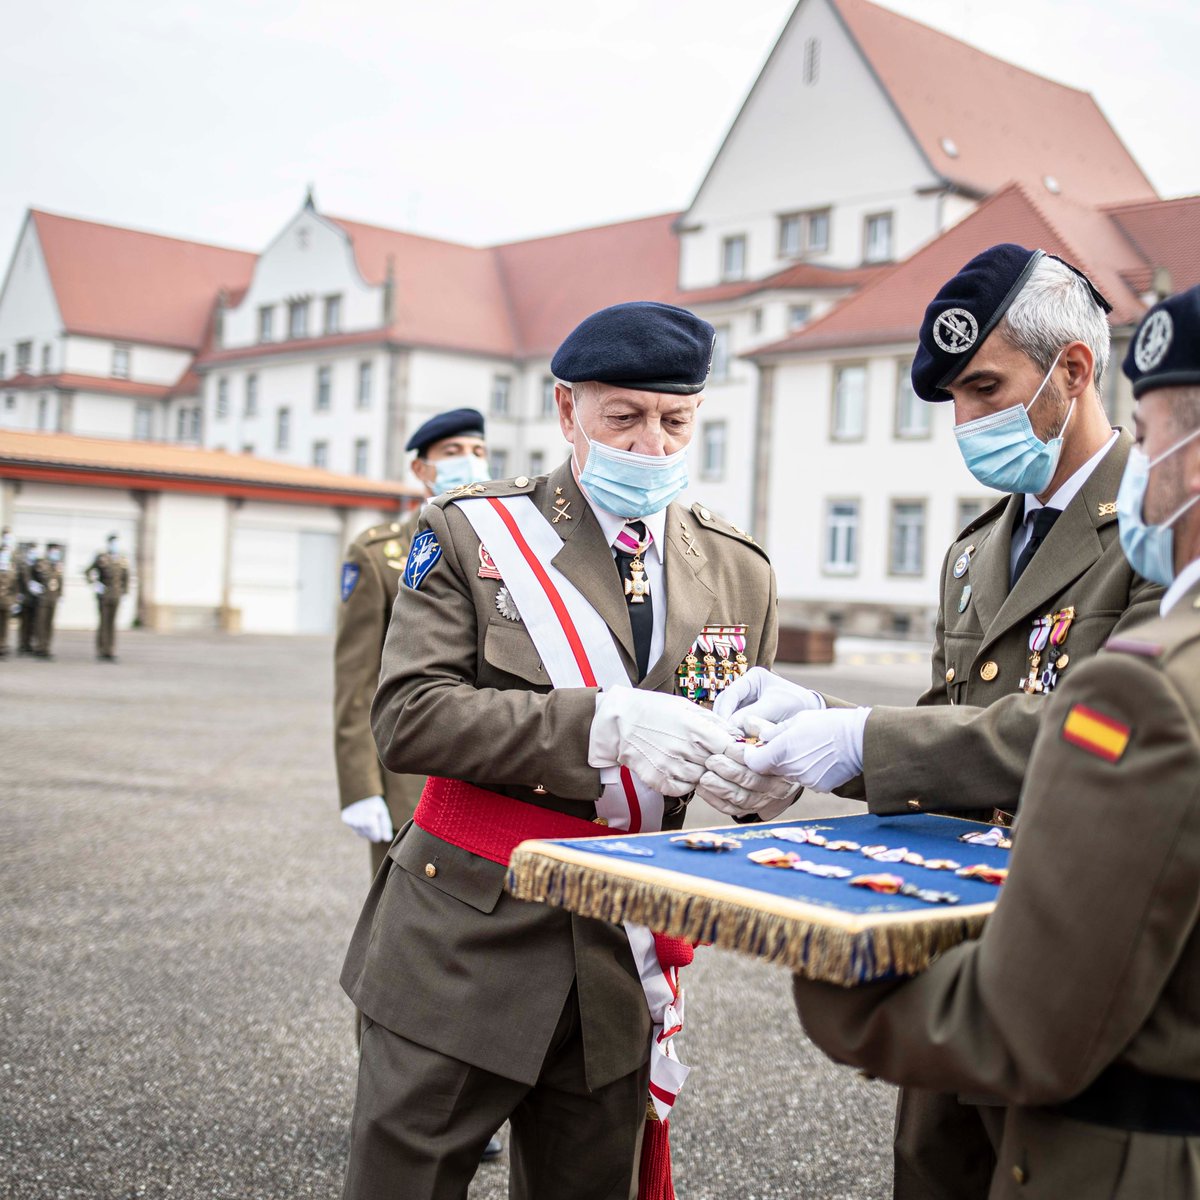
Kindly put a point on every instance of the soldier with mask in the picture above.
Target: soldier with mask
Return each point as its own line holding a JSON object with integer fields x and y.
{"x": 109, "y": 577}
{"x": 29, "y": 592}
{"x": 49, "y": 573}
{"x": 8, "y": 585}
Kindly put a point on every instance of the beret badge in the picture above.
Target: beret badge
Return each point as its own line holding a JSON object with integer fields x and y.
{"x": 955, "y": 330}
{"x": 1153, "y": 340}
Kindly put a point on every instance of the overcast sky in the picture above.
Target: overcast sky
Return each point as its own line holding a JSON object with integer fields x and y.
{"x": 471, "y": 120}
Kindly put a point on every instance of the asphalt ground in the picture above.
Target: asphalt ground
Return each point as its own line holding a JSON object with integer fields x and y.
{"x": 176, "y": 893}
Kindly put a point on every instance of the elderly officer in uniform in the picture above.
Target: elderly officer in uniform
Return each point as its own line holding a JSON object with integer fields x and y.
{"x": 8, "y": 585}
{"x": 1018, "y": 340}
{"x": 1080, "y": 1004}
{"x": 479, "y": 1007}
{"x": 109, "y": 577}
{"x": 49, "y": 572}
{"x": 450, "y": 451}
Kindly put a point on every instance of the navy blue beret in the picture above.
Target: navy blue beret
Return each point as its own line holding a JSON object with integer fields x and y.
{"x": 967, "y": 309}
{"x": 642, "y": 345}
{"x": 1165, "y": 351}
{"x": 454, "y": 423}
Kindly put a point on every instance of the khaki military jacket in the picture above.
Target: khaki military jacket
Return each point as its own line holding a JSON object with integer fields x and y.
{"x": 370, "y": 576}
{"x": 1093, "y": 954}
{"x": 112, "y": 570}
{"x": 50, "y": 576}
{"x": 965, "y": 747}
{"x": 442, "y": 955}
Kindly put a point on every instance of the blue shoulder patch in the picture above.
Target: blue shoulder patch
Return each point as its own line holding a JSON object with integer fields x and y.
{"x": 350, "y": 574}
{"x": 422, "y": 558}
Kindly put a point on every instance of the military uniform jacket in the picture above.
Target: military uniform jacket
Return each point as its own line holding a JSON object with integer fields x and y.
{"x": 442, "y": 955}
{"x": 112, "y": 570}
{"x": 967, "y": 746}
{"x": 1093, "y": 953}
{"x": 370, "y": 576}
{"x": 50, "y": 576}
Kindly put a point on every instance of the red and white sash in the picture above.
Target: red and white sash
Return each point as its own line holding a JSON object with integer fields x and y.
{"x": 577, "y": 649}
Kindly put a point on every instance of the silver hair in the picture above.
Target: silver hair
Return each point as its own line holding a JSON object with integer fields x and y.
{"x": 1053, "y": 309}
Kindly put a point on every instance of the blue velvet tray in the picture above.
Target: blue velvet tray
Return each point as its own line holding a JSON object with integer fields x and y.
{"x": 822, "y": 928}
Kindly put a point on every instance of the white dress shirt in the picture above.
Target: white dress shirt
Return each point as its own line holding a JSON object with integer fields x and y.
{"x": 1180, "y": 584}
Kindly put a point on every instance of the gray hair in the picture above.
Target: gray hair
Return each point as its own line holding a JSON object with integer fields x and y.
{"x": 1054, "y": 308}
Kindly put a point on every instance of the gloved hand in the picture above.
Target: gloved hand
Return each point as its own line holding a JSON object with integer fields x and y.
{"x": 664, "y": 740}
{"x": 98, "y": 588}
{"x": 370, "y": 818}
{"x": 763, "y": 695}
{"x": 732, "y": 788}
{"x": 821, "y": 750}
{"x": 35, "y": 588}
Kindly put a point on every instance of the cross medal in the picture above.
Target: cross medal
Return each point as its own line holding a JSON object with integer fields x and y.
{"x": 637, "y": 588}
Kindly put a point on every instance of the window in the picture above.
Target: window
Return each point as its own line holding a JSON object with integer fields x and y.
{"x": 252, "y": 395}
{"x": 24, "y": 357}
{"x": 222, "y": 410}
{"x": 799, "y": 315}
{"x": 498, "y": 464}
{"x": 791, "y": 235}
{"x": 46, "y": 352}
{"x": 120, "y": 362}
{"x": 181, "y": 425}
{"x": 537, "y": 463}
{"x": 756, "y": 320}
{"x": 849, "y": 403}
{"x": 143, "y": 423}
{"x": 733, "y": 257}
{"x": 333, "y": 314}
{"x": 195, "y": 423}
{"x": 283, "y": 428}
{"x": 324, "y": 388}
{"x": 804, "y": 233}
{"x": 907, "y": 537}
{"x": 719, "y": 371}
{"x": 3, "y": 365}
{"x": 812, "y": 60}
{"x": 712, "y": 450}
{"x": 10, "y": 402}
{"x": 320, "y": 455}
{"x": 266, "y": 317}
{"x": 877, "y": 241}
{"x": 501, "y": 387}
{"x": 43, "y": 412}
{"x": 361, "y": 451}
{"x": 967, "y": 510}
{"x": 817, "y": 231}
{"x": 248, "y": 448}
{"x": 549, "y": 406}
{"x": 298, "y": 319}
{"x": 912, "y": 413}
{"x": 841, "y": 537}
{"x": 364, "y": 385}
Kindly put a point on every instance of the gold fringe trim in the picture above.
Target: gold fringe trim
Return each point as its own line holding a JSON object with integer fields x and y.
{"x": 828, "y": 952}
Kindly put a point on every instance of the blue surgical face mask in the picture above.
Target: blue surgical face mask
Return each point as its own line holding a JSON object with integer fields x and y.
{"x": 1002, "y": 451}
{"x": 55, "y": 556}
{"x": 626, "y": 484}
{"x": 463, "y": 470}
{"x": 1149, "y": 548}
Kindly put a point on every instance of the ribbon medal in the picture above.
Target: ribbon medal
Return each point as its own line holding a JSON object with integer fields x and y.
{"x": 716, "y": 659}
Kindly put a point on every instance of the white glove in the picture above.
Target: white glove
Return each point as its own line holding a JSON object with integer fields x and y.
{"x": 732, "y": 788}
{"x": 664, "y": 740}
{"x": 98, "y": 588}
{"x": 821, "y": 750}
{"x": 766, "y": 696}
{"x": 370, "y": 818}
{"x": 35, "y": 588}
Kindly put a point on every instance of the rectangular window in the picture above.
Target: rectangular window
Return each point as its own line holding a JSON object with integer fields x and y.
{"x": 364, "y": 385}
{"x": 841, "y": 537}
{"x": 46, "y": 352}
{"x": 361, "y": 453}
{"x": 713, "y": 437}
{"x": 799, "y": 315}
{"x": 733, "y": 257}
{"x": 804, "y": 233}
{"x": 549, "y": 405}
{"x": 320, "y": 455}
{"x": 877, "y": 241}
{"x": 537, "y": 463}
{"x": 907, "y": 554}
{"x": 248, "y": 448}
{"x": 283, "y": 428}
{"x": 849, "y": 402}
{"x": 43, "y": 412}
{"x": 143, "y": 423}
{"x": 266, "y": 318}
{"x": 756, "y": 320}
{"x": 791, "y": 235}
{"x": 720, "y": 355}
{"x": 196, "y": 422}
{"x": 501, "y": 389}
{"x": 10, "y": 402}
{"x": 120, "y": 362}
{"x": 498, "y": 464}
{"x": 913, "y": 415}
{"x": 252, "y": 395}
{"x": 333, "y": 314}
{"x": 324, "y": 388}
{"x": 24, "y": 357}
{"x": 298, "y": 319}
{"x": 818, "y": 231}
{"x": 181, "y": 425}
{"x": 222, "y": 409}
{"x": 3, "y": 365}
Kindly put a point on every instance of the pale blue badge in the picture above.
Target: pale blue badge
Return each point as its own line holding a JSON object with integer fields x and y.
{"x": 350, "y": 574}
{"x": 422, "y": 558}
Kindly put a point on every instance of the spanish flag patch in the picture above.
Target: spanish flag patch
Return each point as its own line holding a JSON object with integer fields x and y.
{"x": 1096, "y": 733}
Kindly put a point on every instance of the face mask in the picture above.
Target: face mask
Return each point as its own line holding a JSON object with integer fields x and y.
{"x": 1149, "y": 548}
{"x": 31, "y": 557}
{"x": 54, "y": 556}
{"x": 459, "y": 472}
{"x": 626, "y": 484}
{"x": 113, "y": 547}
{"x": 1002, "y": 451}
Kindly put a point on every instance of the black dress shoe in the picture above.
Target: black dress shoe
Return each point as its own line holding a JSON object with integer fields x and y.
{"x": 493, "y": 1149}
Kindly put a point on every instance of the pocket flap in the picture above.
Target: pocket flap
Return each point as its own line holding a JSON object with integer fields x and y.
{"x": 456, "y": 872}
{"x": 508, "y": 648}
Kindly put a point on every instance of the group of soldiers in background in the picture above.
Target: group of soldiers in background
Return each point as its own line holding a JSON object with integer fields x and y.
{"x": 31, "y": 586}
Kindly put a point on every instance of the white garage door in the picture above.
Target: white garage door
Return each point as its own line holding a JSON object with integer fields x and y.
{"x": 284, "y": 580}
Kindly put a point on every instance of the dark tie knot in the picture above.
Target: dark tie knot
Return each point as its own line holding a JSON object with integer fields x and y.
{"x": 637, "y": 528}
{"x": 1043, "y": 521}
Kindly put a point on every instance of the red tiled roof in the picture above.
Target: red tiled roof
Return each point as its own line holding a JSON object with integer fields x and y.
{"x": 86, "y": 383}
{"x": 139, "y": 287}
{"x": 1166, "y": 233}
{"x": 1007, "y": 123}
{"x": 802, "y": 276}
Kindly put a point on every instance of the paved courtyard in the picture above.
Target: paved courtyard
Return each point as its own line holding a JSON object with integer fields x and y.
{"x": 176, "y": 895}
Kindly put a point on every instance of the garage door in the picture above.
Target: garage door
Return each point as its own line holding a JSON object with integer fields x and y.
{"x": 284, "y": 580}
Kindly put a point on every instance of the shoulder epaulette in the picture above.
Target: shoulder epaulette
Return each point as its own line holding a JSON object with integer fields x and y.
{"x": 1128, "y": 645}
{"x": 716, "y": 522}
{"x": 522, "y": 485}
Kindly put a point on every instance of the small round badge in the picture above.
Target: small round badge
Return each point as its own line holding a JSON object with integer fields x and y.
{"x": 1154, "y": 341}
{"x": 962, "y": 563}
{"x": 955, "y": 330}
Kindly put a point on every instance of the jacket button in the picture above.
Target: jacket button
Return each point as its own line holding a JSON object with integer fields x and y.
{"x": 430, "y": 870}
{"x": 950, "y": 675}
{"x": 1018, "y": 1173}
{"x": 540, "y": 790}
{"x": 521, "y": 481}
{"x": 988, "y": 671}
{"x": 914, "y": 804}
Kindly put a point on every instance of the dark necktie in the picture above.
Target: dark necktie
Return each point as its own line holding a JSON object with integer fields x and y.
{"x": 1043, "y": 522}
{"x": 641, "y": 614}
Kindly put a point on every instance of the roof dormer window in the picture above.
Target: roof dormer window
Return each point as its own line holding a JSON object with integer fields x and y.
{"x": 733, "y": 257}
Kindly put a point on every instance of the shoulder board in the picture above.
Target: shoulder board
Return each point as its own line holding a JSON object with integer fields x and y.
{"x": 521, "y": 486}
{"x": 714, "y": 521}
{"x": 985, "y": 518}
{"x": 380, "y": 533}
{"x": 1128, "y": 645}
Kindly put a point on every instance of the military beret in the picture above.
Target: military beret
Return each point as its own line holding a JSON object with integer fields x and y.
{"x": 445, "y": 425}
{"x": 967, "y": 309}
{"x": 1165, "y": 351}
{"x": 642, "y": 345}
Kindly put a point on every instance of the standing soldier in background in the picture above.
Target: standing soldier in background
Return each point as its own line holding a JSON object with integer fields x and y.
{"x": 49, "y": 573}
{"x": 8, "y": 585}
{"x": 109, "y": 577}
{"x": 28, "y": 591}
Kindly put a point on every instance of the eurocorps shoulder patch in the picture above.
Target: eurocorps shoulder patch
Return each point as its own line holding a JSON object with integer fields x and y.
{"x": 350, "y": 574}
{"x": 422, "y": 558}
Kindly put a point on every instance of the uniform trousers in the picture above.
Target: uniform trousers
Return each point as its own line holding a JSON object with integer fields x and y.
{"x": 43, "y": 633}
{"x": 421, "y": 1121}
{"x": 106, "y": 631}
